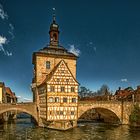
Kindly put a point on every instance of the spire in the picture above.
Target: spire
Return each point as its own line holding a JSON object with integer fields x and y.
{"x": 54, "y": 15}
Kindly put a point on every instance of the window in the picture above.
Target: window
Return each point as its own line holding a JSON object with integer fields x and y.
{"x": 64, "y": 99}
{"x": 41, "y": 90}
{"x": 67, "y": 80}
{"x": 50, "y": 112}
{"x": 56, "y": 99}
{"x": 62, "y": 71}
{"x": 57, "y": 113}
{"x": 58, "y": 79}
{"x": 72, "y": 112}
{"x": 72, "y": 89}
{"x": 61, "y": 112}
{"x": 73, "y": 100}
{"x": 48, "y": 64}
{"x": 55, "y": 36}
{"x": 51, "y": 99}
{"x": 52, "y": 89}
{"x": 62, "y": 89}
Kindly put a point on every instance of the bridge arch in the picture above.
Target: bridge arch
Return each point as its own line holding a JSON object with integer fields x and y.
{"x": 113, "y": 107}
{"x": 20, "y": 110}
{"x": 29, "y": 108}
{"x": 100, "y": 113}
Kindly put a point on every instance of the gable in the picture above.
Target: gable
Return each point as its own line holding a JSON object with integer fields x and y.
{"x": 62, "y": 75}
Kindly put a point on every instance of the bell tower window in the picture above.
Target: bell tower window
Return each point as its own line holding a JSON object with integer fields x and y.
{"x": 55, "y": 37}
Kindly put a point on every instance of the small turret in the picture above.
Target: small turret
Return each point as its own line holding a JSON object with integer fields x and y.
{"x": 54, "y": 33}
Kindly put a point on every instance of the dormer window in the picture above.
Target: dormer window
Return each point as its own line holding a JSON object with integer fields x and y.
{"x": 48, "y": 65}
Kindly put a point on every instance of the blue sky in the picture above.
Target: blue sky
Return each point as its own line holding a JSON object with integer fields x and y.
{"x": 107, "y": 34}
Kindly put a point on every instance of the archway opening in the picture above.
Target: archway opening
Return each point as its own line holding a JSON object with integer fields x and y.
{"x": 16, "y": 124}
{"x": 17, "y": 117}
{"x": 99, "y": 115}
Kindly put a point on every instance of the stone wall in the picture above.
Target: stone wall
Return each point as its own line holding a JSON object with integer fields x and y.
{"x": 121, "y": 109}
{"x": 41, "y": 70}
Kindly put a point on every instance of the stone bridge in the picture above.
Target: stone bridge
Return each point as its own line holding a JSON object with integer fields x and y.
{"x": 121, "y": 109}
{"x": 29, "y": 108}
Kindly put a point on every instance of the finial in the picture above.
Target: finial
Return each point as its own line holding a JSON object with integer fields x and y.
{"x": 54, "y": 16}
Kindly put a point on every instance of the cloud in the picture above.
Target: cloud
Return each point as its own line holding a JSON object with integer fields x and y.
{"x": 3, "y": 15}
{"x": 94, "y": 48}
{"x": 54, "y": 8}
{"x": 27, "y": 99}
{"x": 11, "y": 31}
{"x": 3, "y": 41}
{"x": 92, "y": 45}
{"x": 124, "y": 80}
{"x": 12, "y": 34}
{"x": 73, "y": 50}
{"x": 9, "y": 53}
{"x": 11, "y": 26}
{"x": 18, "y": 96}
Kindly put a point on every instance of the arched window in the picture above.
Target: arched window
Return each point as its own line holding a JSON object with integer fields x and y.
{"x": 55, "y": 36}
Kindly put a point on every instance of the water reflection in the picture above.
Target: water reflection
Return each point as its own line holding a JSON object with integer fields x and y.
{"x": 25, "y": 130}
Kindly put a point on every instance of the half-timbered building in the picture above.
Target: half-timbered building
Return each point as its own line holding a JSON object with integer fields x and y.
{"x": 54, "y": 85}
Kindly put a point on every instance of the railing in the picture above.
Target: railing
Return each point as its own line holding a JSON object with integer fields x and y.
{"x": 99, "y": 101}
{"x": 103, "y": 102}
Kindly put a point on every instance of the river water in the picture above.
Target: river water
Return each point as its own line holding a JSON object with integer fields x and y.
{"x": 24, "y": 129}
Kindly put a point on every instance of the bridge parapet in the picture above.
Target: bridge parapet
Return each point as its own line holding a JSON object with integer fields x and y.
{"x": 99, "y": 102}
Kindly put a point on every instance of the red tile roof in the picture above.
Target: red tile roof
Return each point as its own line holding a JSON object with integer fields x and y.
{"x": 124, "y": 93}
{"x": 8, "y": 91}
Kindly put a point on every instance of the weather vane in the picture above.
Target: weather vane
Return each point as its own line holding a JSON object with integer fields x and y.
{"x": 54, "y": 15}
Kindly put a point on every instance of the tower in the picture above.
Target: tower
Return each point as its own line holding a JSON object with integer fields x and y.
{"x": 54, "y": 33}
{"x": 54, "y": 85}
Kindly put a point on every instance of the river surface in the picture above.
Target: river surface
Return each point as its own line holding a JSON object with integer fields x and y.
{"x": 24, "y": 129}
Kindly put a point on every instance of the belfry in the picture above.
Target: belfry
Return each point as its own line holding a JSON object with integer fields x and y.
{"x": 55, "y": 88}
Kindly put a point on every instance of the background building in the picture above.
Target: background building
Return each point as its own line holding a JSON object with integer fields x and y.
{"x": 7, "y": 96}
{"x": 2, "y": 93}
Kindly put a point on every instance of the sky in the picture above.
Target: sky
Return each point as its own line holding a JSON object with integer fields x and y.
{"x": 105, "y": 35}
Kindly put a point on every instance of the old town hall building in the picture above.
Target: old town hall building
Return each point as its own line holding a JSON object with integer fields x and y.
{"x": 54, "y": 85}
